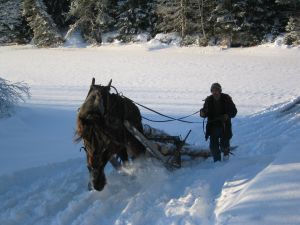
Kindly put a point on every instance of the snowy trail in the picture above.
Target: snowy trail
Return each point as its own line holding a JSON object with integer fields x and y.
{"x": 56, "y": 194}
{"x": 43, "y": 176}
{"x": 28, "y": 196}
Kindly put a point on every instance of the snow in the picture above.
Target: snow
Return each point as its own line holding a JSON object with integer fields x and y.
{"x": 43, "y": 175}
{"x": 75, "y": 40}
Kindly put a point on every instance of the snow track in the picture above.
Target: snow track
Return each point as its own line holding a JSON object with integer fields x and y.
{"x": 43, "y": 176}
{"x": 199, "y": 193}
{"x": 35, "y": 196}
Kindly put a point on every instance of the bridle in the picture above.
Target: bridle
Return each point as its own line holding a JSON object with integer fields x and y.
{"x": 98, "y": 133}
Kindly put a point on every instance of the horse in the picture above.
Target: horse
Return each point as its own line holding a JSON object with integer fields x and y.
{"x": 100, "y": 124}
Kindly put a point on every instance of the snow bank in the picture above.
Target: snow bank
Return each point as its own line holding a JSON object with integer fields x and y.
{"x": 267, "y": 191}
{"x": 161, "y": 41}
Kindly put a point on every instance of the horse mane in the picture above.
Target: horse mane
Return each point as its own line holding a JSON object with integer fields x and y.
{"x": 79, "y": 130}
{"x": 120, "y": 108}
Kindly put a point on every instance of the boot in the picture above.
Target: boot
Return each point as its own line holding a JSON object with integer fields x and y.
{"x": 226, "y": 152}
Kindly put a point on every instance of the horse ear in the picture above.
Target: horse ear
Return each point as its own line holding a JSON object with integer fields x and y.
{"x": 93, "y": 81}
{"x": 109, "y": 84}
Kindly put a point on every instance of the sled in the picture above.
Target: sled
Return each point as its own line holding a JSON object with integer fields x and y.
{"x": 166, "y": 148}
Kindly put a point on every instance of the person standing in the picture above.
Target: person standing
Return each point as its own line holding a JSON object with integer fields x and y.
{"x": 219, "y": 109}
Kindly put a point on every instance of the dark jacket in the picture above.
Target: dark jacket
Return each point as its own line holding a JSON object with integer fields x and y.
{"x": 216, "y": 119}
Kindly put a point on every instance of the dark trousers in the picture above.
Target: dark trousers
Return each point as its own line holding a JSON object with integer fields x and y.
{"x": 217, "y": 143}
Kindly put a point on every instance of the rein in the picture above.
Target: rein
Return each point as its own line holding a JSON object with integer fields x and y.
{"x": 169, "y": 118}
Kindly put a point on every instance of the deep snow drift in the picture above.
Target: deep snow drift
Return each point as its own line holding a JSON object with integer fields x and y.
{"x": 44, "y": 176}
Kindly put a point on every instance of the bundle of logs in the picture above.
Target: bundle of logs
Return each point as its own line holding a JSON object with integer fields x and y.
{"x": 168, "y": 149}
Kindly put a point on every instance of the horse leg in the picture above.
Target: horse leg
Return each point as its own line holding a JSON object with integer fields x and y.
{"x": 135, "y": 148}
{"x": 122, "y": 154}
{"x": 115, "y": 163}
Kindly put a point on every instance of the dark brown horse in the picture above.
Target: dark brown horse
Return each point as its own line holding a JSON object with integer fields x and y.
{"x": 100, "y": 124}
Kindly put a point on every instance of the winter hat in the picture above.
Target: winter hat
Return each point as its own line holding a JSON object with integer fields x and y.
{"x": 216, "y": 86}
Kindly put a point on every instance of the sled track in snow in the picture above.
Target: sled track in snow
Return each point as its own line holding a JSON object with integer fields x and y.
{"x": 57, "y": 193}
{"x": 34, "y": 196}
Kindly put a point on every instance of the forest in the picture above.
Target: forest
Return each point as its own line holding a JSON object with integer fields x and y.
{"x": 48, "y": 23}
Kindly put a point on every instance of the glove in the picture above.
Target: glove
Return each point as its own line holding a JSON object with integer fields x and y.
{"x": 225, "y": 117}
{"x": 202, "y": 113}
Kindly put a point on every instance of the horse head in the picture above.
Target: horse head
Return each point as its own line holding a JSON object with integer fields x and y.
{"x": 96, "y": 163}
{"x": 96, "y": 100}
{"x": 89, "y": 124}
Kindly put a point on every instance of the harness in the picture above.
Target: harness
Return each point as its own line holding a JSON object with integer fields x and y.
{"x": 169, "y": 118}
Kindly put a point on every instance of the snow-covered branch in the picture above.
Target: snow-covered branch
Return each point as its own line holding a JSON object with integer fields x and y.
{"x": 11, "y": 94}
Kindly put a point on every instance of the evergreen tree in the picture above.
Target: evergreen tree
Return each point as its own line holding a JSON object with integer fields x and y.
{"x": 236, "y": 22}
{"x": 203, "y": 14}
{"x": 205, "y": 18}
{"x": 291, "y": 3}
{"x": 260, "y": 19}
{"x": 13, "y": 28}
{"x": 45, "y": 33}
{"x": 180, "y": 16}
{"x": 134, "y": 16}
{"x": 93, "y": 18}
{"x": 244, "y": 22}
{"x": 290, "y": 14}
{"x": 168, "y": 16}
{"x": 293, "y": 32}
{"x": 58, "y": 9}
{"x": 152, "y": 16}
{"x": 224, "y": 21}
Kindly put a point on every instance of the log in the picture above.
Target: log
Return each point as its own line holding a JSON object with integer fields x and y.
{"x": 149, "y": 145}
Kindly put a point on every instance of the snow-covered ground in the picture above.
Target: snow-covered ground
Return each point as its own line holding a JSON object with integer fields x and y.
{"x": 43, "y": 175}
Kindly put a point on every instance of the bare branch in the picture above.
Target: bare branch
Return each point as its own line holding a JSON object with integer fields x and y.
{"x": 11, "y": 94}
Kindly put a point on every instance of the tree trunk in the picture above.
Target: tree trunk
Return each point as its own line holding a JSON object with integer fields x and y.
{"x": 201, "y": 6}
{"x": 183, "y": 18}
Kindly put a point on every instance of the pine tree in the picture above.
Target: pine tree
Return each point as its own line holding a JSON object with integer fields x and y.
{"x": 176, "y": 16}
{"x": 45, "y": 33}
{"x": 168, "y": 16}
{"x": 205, "y": 20}
{"x": 93, "y": 18}
{"x": 58, "y": 9}
{"x": 262, "y": 18}
{"x": 290, "y": 14}
{"x": 13, "y": 28}
{"x": 224, "y": 21}
{"x": 244, "y": 22}
{"x": 292, "y": 3}
{"x": 202, "y": 12}
{"x": 197, "y": 25}
{"x": 293, "y": 32}
{"x": 134, "y": 17}
{"x": 238, "y": 22}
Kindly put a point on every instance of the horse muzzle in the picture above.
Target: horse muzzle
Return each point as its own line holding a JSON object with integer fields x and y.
{"x": 97, "y": 180}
